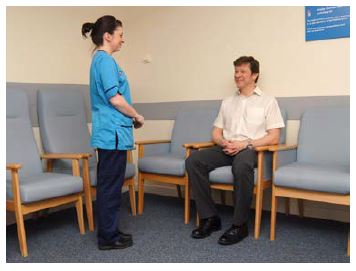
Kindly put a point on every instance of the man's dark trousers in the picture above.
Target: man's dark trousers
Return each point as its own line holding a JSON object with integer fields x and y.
{"x": 200, "y": 163}
{"x": 110, "y": 178}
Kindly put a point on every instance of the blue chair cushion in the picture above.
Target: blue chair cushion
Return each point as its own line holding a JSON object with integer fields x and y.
{"x": 45, "y": 186}
{"x": 333, "y": 178}
{"x": 169, "y": 164}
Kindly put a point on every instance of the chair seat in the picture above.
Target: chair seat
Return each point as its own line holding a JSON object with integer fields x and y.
{"x": 129, "y": 173}
{"x": 224, "y": 175}
{"x": 323, "y": 178}
{"x": 169, "y": 164}
{"x": 45, "y": 186}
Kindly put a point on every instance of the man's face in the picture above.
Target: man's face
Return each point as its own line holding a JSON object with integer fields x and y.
{"x": 243, "y": 76}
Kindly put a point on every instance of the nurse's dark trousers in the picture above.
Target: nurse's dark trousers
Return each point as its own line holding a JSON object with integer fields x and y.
{"x": 110, "y": 178}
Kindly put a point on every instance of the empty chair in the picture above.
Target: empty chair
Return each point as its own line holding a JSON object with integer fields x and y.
{"x": 63, "y": 128}
{"x": 28, "y": 188}
{"x": 318, "y": 168}
{"x": 164, "y": 160}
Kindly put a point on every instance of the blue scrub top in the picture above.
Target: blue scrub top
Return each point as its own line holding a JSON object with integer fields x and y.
{"x": 111, "y": 130}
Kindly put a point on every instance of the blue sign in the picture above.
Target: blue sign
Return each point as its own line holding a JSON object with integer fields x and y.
{"x": 327, "y": 22}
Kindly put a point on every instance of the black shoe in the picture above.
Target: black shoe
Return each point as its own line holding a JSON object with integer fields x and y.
{"x": 125, "y": 236}
{"x": 206, "y": 227}
{"x": 120, "y": 244}
{"x": 234, "y": 235}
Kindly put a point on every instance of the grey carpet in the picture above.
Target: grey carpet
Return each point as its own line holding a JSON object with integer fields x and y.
{"x": 161, "y": 236}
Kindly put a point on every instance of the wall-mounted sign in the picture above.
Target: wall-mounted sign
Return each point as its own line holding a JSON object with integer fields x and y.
{"x": 327, "y": 22}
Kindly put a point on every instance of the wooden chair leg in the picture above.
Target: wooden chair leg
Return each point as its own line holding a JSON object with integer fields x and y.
{"x": 132, "y": 199}
{"x": 258, "y": 212}
{"x": 79, "y": 207}
{"x": 301, "y": 207}
{"x": 179, "y": 191}
{"x": 287, "y": 205}
{"x": 89, "y": 209}
{"x": 140, "y": 193}
{"x": 273, "y": 215}
{"x": 197, "y": 222}
{"x": 21, "y": 233}
{"x": 186, "y": 204}
{"x": 348, "y": 246}
{"x": 222, "y": 197}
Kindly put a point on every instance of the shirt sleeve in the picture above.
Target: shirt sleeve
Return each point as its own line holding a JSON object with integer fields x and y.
{"x": 219, "y": 121}
{"x": 274, "y": 118}
{"x": 108, "y": 74}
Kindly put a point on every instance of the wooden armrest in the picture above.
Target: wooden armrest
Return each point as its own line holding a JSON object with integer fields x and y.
{"x": 264, "y": 148}
{"x": 145, "y": 142}
{"x": 199, "y": 145}
{"x": 282, "y": 147}
{"x": 13, "y": 166}
{"x": 65, "y": 155}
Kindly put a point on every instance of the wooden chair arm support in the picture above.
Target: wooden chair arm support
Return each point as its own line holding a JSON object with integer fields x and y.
{"x": 264, "y": 148}
{"x": 13, "y": 167}
{"x": 282, "y": 147}
{"x": 199, "y": 145}
{"x": 146, "y": 142}
{"x": 51, "y": 156}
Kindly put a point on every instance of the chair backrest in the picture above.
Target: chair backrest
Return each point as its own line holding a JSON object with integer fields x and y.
{"x": 63, "y": 125}
{"x": 20, "y": 143}
{"x": 192, "y": 126}
{"x": 324, "y": 136}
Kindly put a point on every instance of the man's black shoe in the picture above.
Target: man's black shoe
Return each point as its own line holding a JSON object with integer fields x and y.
{"x": 125, "y": 236}
{"x": 206, "y": 227}
{"x": 234, "y": 235}
{"x": 120, "y": 244}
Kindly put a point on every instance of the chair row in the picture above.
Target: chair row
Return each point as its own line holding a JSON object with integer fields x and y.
{"x": 65, "y": 136}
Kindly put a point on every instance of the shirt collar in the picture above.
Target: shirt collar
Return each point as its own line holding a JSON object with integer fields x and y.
{"x": 257, "y": 90}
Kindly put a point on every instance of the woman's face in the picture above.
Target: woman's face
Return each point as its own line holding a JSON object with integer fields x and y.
{"x": 117, "y": 39}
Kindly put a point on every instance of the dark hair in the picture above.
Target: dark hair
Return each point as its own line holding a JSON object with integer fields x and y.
{"x": 254, "y": 64}
{"x": 102, "y": 25}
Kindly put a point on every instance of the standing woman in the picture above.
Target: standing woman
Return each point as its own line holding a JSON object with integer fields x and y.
{"x": 112, "y": 119}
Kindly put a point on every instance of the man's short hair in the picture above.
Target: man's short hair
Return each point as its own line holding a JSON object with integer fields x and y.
{"x": 254, "y": 64}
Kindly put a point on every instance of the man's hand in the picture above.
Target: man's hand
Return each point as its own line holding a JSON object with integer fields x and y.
{"x": 138, "y": 121}
{"x": 234, "y": 147}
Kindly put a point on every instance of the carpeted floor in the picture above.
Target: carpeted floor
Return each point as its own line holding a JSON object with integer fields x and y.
{"x": 161, "y": 236}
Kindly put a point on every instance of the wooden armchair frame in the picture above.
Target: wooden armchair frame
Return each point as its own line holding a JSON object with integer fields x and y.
{"x": 177, "y": 180}
{"x": 300, "y": 194}
{"x": 259, "y": 188}
{"x": 22, "y": 209}
{"x": 90, "y": 191}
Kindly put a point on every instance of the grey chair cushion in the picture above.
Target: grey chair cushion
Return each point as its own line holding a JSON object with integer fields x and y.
{"x": 20, "y": 143}
{"x": 324, "y": 136}
{"x": 169, "y": 164}
{"x": 45, "y": 186}
{"x": 192, "y": 126}
{"x": 334, "y": 178}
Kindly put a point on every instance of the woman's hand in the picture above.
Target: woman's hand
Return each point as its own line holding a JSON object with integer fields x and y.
{"x": 138, "y": 121}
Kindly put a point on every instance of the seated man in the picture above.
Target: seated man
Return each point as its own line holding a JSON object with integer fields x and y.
{"x": 246, "y": 120}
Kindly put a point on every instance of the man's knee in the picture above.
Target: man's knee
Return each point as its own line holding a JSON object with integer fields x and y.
{"x": 241, "y": 168}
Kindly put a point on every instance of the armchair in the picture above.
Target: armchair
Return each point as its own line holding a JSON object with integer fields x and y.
{"x": 164, "y": 160}
{"x": 63, "y": 128}
{"x": 28, "y": 188}
{"x": 318, "y": 168}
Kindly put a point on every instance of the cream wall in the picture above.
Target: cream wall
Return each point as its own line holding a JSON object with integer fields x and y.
{"x": 192, "y": 49}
